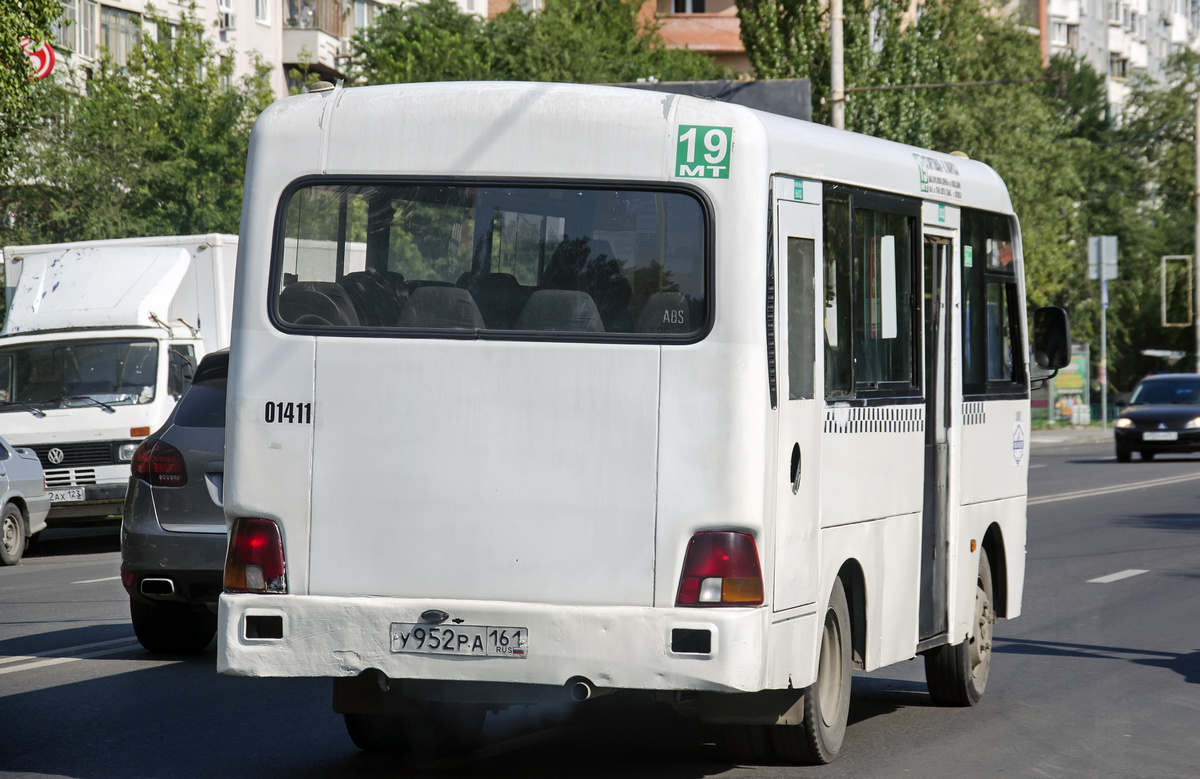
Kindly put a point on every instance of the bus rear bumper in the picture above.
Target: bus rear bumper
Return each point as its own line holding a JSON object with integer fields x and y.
{"x": 719, "y": 650}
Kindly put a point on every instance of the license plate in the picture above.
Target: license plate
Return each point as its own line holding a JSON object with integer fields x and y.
{"x": 1168, "y": 436}
{"x": 459, "y": 640}
{"x": 64, "y": 496}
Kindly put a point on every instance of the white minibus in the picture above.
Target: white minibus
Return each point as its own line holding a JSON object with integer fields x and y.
{"x": 539, "y": 392}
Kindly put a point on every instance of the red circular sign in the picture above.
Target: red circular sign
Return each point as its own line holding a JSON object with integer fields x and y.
{"x": 41, "y": 56}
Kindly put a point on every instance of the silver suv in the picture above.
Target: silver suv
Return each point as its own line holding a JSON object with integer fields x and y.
{"x": 173, "y": 524}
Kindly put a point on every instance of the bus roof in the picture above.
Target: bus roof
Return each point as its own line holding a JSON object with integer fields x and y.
{"x": 508, "y": 129}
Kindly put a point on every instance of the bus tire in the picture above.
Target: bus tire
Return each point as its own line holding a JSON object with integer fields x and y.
{"x": 172, "y": 628}
{"x": 12, "y": 535}
{"x": 957, "y": 675}
{"x": 818, "y": 739}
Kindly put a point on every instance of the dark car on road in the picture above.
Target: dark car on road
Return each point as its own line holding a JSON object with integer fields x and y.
{"x": 173, "y": 524}
{"x": 1162, "y": 417}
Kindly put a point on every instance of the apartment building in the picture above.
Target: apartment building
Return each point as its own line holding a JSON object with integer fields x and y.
{"x": 285, "y": 34}
{"x": 1121, "y": 38}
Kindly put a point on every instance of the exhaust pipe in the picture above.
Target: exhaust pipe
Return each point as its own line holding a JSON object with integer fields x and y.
{"x": 158, "y": 588}
{"x": 580, "y": 689}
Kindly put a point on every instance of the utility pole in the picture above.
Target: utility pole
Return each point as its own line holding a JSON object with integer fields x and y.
{"x": 1196, "y": 250}
{"x": 837, "y": 81}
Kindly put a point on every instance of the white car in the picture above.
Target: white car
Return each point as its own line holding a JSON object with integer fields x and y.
{"x": 26, "y": 504}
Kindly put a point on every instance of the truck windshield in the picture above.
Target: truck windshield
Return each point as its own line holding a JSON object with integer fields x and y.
{"x": 435, "y": 259}
{"x": 96, "y": 373}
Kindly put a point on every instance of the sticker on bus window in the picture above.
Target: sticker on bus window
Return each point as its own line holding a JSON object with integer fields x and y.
{"x": 703, "y": 152}
{"x": 968, "y": 256}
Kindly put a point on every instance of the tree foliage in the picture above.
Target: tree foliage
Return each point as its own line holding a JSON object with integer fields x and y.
{"x": 587, "y": 41}
{"x": 157, "y": 147}
{"x": 19, "y": 19}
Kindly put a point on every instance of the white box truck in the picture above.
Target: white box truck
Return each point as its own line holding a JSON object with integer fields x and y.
{"x": 99, "y": 341}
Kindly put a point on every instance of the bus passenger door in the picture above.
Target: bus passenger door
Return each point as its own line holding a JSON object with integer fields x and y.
{"x": 936, "y": 278}
{"x": 798, "y": 390}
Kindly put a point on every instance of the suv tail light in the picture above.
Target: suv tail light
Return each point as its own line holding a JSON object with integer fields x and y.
{"x": 254, "y": 560}
{"x": 159, "y": 464}
{"x": 720, "y": 569}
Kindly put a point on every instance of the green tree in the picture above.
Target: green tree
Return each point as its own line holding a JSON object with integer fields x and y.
{"x": 19, "y": 19}
{"x": 587, "y": 41}
{"x": 157, "y": 147}
{"x": 432, "y": 41}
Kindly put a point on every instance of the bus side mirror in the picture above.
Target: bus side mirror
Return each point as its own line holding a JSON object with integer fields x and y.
{"x": 1051, "y": 338}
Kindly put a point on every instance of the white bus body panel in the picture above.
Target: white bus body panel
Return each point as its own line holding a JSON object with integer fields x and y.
{"x": 564, "y": 503}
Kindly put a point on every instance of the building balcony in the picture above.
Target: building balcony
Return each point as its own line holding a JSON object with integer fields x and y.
{"x": 313, "y": 33}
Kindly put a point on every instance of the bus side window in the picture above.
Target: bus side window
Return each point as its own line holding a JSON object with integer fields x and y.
{"x": 990, "y": 306}
{"x": 800, "y": 274}
{"x": 836, "y": 219}
{"x": 869, "y": 308}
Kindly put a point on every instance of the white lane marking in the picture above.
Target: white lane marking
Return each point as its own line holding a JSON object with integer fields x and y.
{"x": 1137, "y": 485}
{"x": 1036, "y": 466}
{"x": 94, "y": 581}
{"x": 1118, "y": 576}
{"x": 55, "y": 656}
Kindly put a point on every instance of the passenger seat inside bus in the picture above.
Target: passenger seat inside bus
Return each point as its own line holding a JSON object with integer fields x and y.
{"x": 561, "y": 310}
{"x": 442, "y": 308}
{"x": 592, "y": 267}
{"x": 499, "y": 296}
{"x": 317, "y": 303}
{"x": 378, "y": 297}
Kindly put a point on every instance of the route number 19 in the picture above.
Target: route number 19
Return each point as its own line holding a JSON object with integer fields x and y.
{"x": 703, "y": 152}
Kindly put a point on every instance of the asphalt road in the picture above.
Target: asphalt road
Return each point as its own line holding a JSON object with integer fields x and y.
{"x": 1100, "y": 677}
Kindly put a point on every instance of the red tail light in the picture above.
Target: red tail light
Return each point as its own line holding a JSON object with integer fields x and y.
{"x": 720, "y": 569}
{"x": 254, "y": 560}
{"x": 159, "y": 464}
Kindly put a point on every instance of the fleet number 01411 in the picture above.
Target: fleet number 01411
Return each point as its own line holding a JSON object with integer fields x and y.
{"x": 288, "y": 413}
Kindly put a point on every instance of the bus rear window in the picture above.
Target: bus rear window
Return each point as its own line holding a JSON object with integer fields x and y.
{"x": 440, "y": 259}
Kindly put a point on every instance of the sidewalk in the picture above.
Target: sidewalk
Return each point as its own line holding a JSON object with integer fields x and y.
{"x": 1070, "y": 435}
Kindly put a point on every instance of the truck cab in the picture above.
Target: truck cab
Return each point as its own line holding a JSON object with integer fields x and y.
{"x": 99, "y": 342}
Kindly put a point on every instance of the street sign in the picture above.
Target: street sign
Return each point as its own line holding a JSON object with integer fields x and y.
{"x": 1102, "y": 257}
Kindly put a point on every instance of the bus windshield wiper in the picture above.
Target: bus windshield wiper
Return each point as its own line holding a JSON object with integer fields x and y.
{"x": 100, "y": 403}
{"x": 37, "y": 412}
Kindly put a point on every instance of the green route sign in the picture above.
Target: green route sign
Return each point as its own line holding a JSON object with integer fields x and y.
{"x": 703, "y": 152}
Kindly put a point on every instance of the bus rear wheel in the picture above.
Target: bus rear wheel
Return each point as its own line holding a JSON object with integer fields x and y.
{"x": 818, "y": 738}
{"x": 826, "y": 705}
{"x": 957, "y": 675}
